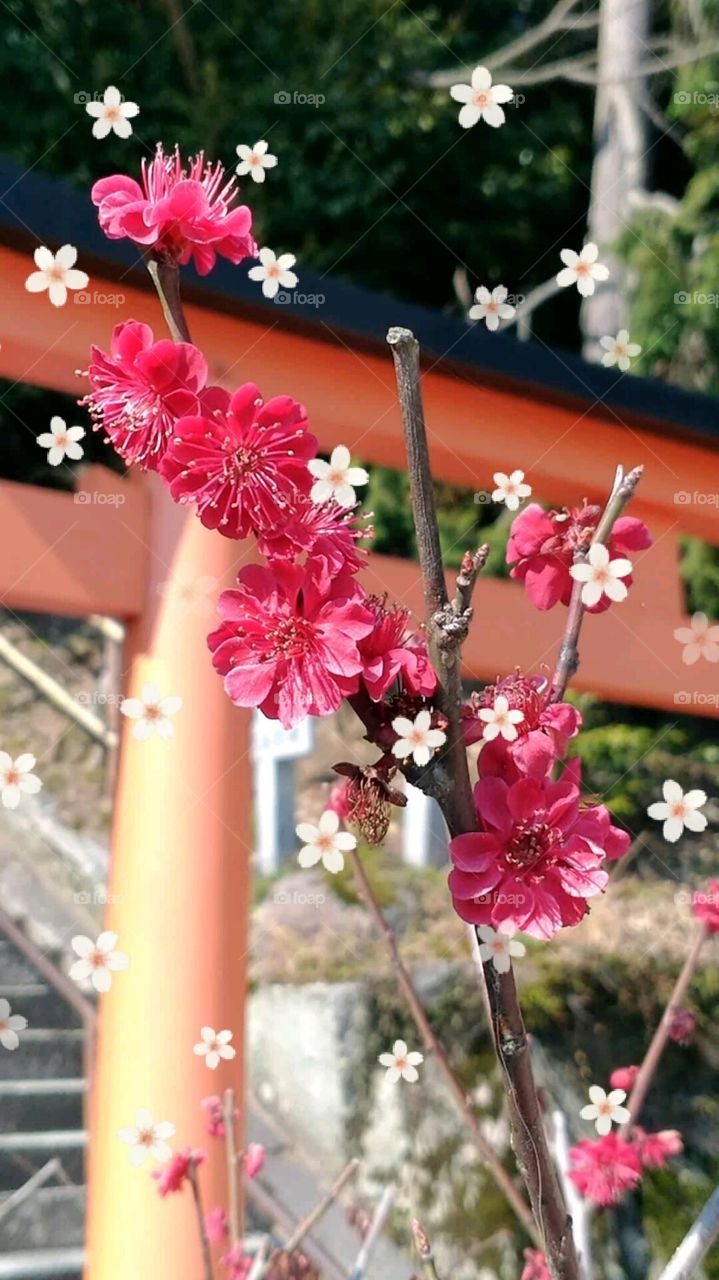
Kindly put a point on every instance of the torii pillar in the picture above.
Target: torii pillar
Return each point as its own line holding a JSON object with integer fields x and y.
{"x": 178, "y": 900}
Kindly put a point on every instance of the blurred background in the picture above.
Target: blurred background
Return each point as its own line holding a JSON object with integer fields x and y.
{"x": 615, "y": 140}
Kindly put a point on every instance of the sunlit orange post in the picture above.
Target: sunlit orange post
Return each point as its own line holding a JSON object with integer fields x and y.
{"x": 178, "y": 902}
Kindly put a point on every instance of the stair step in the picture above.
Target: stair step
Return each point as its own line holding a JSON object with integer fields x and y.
{"x": 13, "y": 965}
{"x": 44, "y": 1053}
{"x": 51, "y": 1216}
{"x": 21, "y": 1154}
{"x": 40, "y": 1004}
{"x": 27, "y": 1105}
{"x": 43, "y": 1264}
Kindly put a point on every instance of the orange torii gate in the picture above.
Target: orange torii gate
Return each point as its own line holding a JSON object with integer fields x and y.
{"x": 182, "y": 835}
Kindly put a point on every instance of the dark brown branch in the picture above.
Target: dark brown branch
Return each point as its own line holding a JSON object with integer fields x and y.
{"x": 446, "y": 632}
{"x": 204, "y": 1242}
{"x": 166, "y": 279}
{"x": 433, "y": 1046}
{"x": 183, "y": 44}
{"x": 568, "y": 660}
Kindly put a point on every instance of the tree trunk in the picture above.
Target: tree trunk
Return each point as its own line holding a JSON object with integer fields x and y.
{"x": 619, "y": 157}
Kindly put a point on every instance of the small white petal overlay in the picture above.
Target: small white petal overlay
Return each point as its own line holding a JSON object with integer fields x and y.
{"x": 601, "y": 576}
{"x": 700, "y": 640}
{"x": 151, "y": 713}
{"x": 498, "y": 945}
{"x": 57, "y": 273}
{"x": 416, "y": 738}
{"x": 325, "y": 843}
{"x": 510, "y": 489}
{"x": 214, "y": 1045}
{"x": 605, "y": 1109}
{"x": 491, "y": 307}
{"x": 254, "y": 160}
{"x": 98, "y": 960}
{"x": 145, "y": 1138}
{"x": 61, "y": 442}
{"x": 401, "y": 1063}
{"x": 190, "y": 594}
{"x": 679, "y": 810}
{"x": 500, "y": 720}
{"x": 112, "y": 114}
{"x": 481, "y": 99}
{"x": 274, "y": 272}
{"x": 582, "y": 269}
{"x": 619, "y": 351}
{"x": 336, "y": 478}
{"x": 17, "y": 778}
{"x": 10, "y": 1024}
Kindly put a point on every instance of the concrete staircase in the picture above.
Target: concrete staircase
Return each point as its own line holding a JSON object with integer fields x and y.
{"x": 41, "y": 1118}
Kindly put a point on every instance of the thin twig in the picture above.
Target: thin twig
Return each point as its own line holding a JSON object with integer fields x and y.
{"x": 233, "y": 1172}
{"x": 433, "y": 1046}
{"x": 184, "y": 45}
{"x": 445, "y": 635}
{"x": 166, "y": 279}
{"x": 376, "y": 1227}
{"x": 568, "y": 660}
{"x": 424, "y": 1249}
{"x": 313, "y": 1217}
{"x": 687, "y": 1259}
{"x": 646, "y": 1071}
{"x": 204, "y": 1242}
{"x": 49, "y": 1170}
{"x": 470, "y": 569}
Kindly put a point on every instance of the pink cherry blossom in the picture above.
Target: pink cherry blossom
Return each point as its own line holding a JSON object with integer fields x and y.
{"x": 310, "y": 528}
{"x": 542, "y": 545}
{"x": 654, "y": 1149}
{"x": 215, "y": 1115}
{"x": 536, "y": 858}
{"x": 178, "y": 213}
{"x": 542, "y": 735}
{"x": 535, "y": 1266}
{"x": 140, "y": 388}
{"x": 623, "y": 1078}
{"x": 682, "y": 1026}
{"x": 254, "y": 1159}
{"x": 237, "y": 1262}
{"x": 240, "y": 463}
{"x": 176, "y": 1172}
{"x": 602, "y": 1169}
{"x": 288, "y": 640}
{"x": 216, "y": 1225}
{"x": 392, "y": 651}
{"x": 705, "y": 905}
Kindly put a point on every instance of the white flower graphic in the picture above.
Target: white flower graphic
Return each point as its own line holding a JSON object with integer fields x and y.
{"x": 10, "y": 1024}
{"x": 401, "y": 1064}
{"x": 336, "y": 478}
{"x": 500, "y": 720}
{"x": 190, "y": 594}
{"x": 678, "y": 810}
{"x": 61, "y": 442}
{"x": 416, "y": 738}
{"x": 491, "y": 307}
{"x": 254, "y": 160}
{"x": 700, "y": 640}
{"x": 498, "y": 945}
{"x": 213, "y": 1046}
{"x": 601, "y": 576}
{"x": 325, "y": 842}
{"x": 17, "y": 778}
{"x": 274, "y": 272}
{"x": 481, "y": 99}
{"x": 619, "y": 351}
{"x": 605, "y": 1109}
{"x": 510, "y": 489}
{"x": 151, "y": 713}
{"x": 98, "y": 960}
{"x": 582, "y": 269}
{"x": 57, "y": 273}
{"x": 112, "y": 114}
{"x": 145, "y": 1138}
